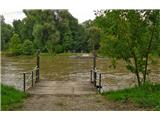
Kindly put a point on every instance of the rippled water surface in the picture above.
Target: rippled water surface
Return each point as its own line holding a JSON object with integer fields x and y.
{"x": 69, "y": 68}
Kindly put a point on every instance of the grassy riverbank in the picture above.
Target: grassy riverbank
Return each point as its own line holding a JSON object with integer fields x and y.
{"x": 147, "y": 96}
{"x": 11, "y": 98}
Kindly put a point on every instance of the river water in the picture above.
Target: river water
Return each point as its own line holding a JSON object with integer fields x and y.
{"x": 62, "y": 67}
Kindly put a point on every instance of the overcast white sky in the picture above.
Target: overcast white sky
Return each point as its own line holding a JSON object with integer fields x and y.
{"x": 80, "y": 9}
{"x": 81, "y": 15}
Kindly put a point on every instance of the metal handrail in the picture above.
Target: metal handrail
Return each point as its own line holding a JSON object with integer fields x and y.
{"x": 97, "y": 75}
{"x": 31, "y": 78}
{"x": 94, "y": 79}
{"x": 29, "y": 71}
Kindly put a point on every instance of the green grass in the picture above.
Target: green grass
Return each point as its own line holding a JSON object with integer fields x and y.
{"x": 11, "y": 98}
{"x": 146, "y": 96}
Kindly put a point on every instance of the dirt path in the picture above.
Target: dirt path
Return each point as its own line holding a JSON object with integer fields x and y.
{"x": 73, "y": 103}
{"x": 69, "y": 96}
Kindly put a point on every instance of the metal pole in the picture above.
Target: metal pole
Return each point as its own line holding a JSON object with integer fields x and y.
{"x": 24, "y": 82}
{"x": 95, "y": 77}
{"x": 94, "y": 66}
{"x": 91, "y": 76}
{"x": 38, "y": 66}
{"x": 100, "y": 86}
{"x": 32, "y": 78}
{"x": 94, "y": 59}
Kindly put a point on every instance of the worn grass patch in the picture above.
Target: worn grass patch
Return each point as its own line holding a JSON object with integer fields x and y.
{"x": 147, "y": 96}
{"x": 11, "y": 98}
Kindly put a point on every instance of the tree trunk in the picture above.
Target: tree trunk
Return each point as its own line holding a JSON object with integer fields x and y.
{"x": 136, "y": 69}
{"x": 147, "y": 54}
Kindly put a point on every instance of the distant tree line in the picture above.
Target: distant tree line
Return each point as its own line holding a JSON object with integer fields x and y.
{"x": 53, "y": 31}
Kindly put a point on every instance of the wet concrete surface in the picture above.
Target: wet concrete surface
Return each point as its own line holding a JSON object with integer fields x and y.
{"x": 44, "y": 87}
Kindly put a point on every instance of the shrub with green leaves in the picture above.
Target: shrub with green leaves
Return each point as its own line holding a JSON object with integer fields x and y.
{"x": 28, "y": 47}
{"x": 15, "y": 46}
{"x": 59, "y": 49}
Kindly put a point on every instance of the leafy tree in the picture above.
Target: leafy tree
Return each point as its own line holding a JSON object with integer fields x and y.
{"x": 28, "y": 47}
{"x": 68, "y": 41}
{"x": 52, "y": 43}
{"x": 72, "y": 35}
{"x": 59, "y": 48}
{"x": 18, "y": 26}
{"x": 15, "y": 45}
{"x": 44, "y": 29}
{"x": 38, "y": 36}
{"x": 45, "y": 24}
{"x": 81, "y": 40}
{"x": 87, "y": 24}
{"x": 94, "y": 37}
{"x": 130, "y": 35}
{"x": 52, "y": 31}
{"x": 6, "y": 33}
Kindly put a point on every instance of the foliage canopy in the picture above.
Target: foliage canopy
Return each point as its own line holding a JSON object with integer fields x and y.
{"x": 130, "y": 35}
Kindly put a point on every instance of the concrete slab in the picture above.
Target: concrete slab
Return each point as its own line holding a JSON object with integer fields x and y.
{"x": 63, "y": 88}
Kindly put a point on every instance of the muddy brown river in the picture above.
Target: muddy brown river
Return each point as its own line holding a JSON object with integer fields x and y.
{"x": 70, "y": 68}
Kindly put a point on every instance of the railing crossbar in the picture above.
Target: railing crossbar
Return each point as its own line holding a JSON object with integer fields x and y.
{"x": 31, "y": 79}
{"x": 34, "y": 74}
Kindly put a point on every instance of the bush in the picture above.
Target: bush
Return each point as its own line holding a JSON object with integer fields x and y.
{"x": 11, "y": 98}
{"x": 15, "y": 46}
{"x": 28, "y": 47}
{"x": 59, "y": 49}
